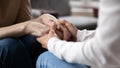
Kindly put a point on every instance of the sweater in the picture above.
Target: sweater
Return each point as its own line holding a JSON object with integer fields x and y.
{"x": 99, "y": 48}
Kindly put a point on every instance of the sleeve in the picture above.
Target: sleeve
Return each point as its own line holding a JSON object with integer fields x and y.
{"x": 83, "y": 35}
{"x": 24, "y": 13}
{"x": 103, "y": 49}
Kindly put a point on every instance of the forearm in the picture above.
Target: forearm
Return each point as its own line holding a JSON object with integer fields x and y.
{"x": 12, "y": 31}
{"x": 102, "y": 50}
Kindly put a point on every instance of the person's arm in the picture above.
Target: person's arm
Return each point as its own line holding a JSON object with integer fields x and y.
{"x": 76, "y": 34}
{"x": 12, "y": 31}
{"x": 23, "y": 28}
{"x": 103, "y": 49}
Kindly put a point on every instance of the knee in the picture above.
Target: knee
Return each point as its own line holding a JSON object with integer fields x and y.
{"x": 48, "y": 60}
{"x": 8, "y": 43}
{"x": 44, "y": 60}
{"x": 13, "y": 53}
{"x": 44, "y": 57}
{"x": 8, "y": 46}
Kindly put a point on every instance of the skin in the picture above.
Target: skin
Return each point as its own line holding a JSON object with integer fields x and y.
{"x": 61, "y": 30}
{"x": 44, "y": 39}
{"x": 33, "y": 27}
{"x": 52, "y": 33}
{"x": 43, "y": 27}
{"x": 37, "y": 27}
{"x": 71, "y": 28}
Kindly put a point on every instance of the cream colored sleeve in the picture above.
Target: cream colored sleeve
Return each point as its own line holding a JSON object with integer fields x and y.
{"x": 100, "y": 51}
{"x": 83, "y": 35}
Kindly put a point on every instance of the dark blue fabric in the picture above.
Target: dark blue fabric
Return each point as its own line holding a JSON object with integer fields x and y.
{"x": 19, "y": 52}
{"x": 32, "y": 46}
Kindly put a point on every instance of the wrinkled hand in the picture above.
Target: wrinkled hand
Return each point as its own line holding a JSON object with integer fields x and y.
{"x": 44, "y": 39}
{"x": 35, "y": 28}
{"x": 71, "y": 28}
{"x": 66, "y": 35}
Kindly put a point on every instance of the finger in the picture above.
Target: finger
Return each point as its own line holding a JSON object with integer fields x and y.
{"x": 66, "y": 33}
{"x": 70, "y": 26}
{"x": 38, "y": 31}
{"x": 62, "y": 22}
{"x": 59, "y": 34}
{"x": 51, "y": 33}
{"x": 53, "y": 26}
{"x": 52, "y": 29}
{"x": 40, "y": 39}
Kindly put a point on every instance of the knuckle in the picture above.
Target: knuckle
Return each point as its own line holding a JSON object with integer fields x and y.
{"x": 70, "y": 24}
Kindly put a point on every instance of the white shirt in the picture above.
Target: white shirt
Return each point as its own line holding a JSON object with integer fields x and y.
{"x": 100, "y": 48}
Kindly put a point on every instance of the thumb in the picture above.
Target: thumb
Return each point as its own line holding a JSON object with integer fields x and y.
{"x": 52, "y": 29}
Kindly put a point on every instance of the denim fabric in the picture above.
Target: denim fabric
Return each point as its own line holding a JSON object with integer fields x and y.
{"x": 19, "y": 52}
{"x": 48, "y": 60}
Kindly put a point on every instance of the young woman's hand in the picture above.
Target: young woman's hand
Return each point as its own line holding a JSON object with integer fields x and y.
{"x": 71, "y": 28}
{"x": 35, "y": 28}
{"x": 47, "y": 19}
{"x": 61, "y": 30}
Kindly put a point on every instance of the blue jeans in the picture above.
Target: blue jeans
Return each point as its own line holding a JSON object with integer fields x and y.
{"x": 48, "y": 60}
{"x": 19, "y": 52}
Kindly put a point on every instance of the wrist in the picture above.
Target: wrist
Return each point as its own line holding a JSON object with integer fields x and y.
{"x": 24, "y": 27}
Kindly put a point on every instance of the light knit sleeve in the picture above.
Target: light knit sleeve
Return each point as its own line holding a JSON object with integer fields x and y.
{"x": 83, "y": 35}
{"x": 103, "y": 49}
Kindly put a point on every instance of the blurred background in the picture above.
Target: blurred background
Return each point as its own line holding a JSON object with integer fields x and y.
{"x": 82, "y": 13}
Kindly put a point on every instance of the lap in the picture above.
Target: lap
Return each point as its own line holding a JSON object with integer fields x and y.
{"x": 31, "y": 43}
{"x": 23, "y": 50}
{"x": 9, "y": 44}
{"x": 13, "y": 54}
{"x": 32, "y": 46}
{"x": 48, "y": 60}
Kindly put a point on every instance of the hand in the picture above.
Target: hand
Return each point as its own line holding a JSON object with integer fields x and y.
{"x": 44, "y": 39}
{"x": 35, "y": 28}
{"x": 71, "y": 28}
{"x": 47, "y": 19}
{"x": 63, "y": 32}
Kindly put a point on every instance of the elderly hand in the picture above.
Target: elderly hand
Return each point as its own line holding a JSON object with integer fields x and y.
{"x": 61, "y": 31}
{"x": 66, "y": 35}
{"x": 71, "y": 28}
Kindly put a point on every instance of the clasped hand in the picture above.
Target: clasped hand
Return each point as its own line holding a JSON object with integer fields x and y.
{"x": 60, "y": 29}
